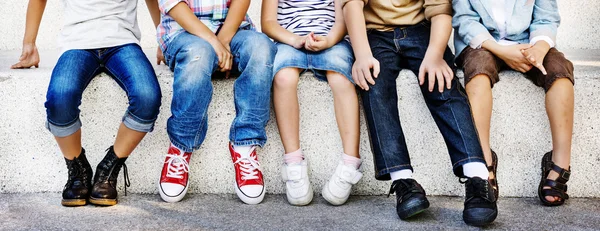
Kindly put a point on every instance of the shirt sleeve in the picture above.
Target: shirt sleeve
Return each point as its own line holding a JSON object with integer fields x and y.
{"x": 166, "y": 5}
{"x": 437, "y": 7}
{"x": 467, "y": 24}
{"x": 542, "y": 38}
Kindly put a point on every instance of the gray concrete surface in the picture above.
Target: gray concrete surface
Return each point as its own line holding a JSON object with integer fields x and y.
{"x": 31, "y": 161}
{"x": 43, "y": 211}
{"x": 578, "y": 30}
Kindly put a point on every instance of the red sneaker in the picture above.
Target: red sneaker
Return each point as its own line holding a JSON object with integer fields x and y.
{"x": 249, "y": 184}
{"x": 173, "y": 182}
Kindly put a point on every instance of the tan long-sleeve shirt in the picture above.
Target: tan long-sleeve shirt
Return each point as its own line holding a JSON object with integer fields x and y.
{"x": 386, "y": 15}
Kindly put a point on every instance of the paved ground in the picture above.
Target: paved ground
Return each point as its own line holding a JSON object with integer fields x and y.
{"x": 43, "y": 211}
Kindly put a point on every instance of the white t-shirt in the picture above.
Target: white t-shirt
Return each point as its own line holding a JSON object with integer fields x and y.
{"x": 92, "y": 24}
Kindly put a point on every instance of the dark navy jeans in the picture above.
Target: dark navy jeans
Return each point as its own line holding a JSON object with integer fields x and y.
{"x": 126, "y": 64}
{"x": 404, "y": 48}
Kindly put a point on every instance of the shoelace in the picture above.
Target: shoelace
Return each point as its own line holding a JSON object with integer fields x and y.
{"x": 126, "y": 178}
{"x": 177, "y": 165}
{"x": 476, "y": 189}
{"x": 409, "y": 188}
{"x": 248, "y": 165}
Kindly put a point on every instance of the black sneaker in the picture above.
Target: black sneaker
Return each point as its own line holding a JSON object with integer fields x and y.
{"x": 410, "y": 198}
{"x": 480, "y": 202}
{"x": 104, "y": 191}
{"x": 78, "y": 187}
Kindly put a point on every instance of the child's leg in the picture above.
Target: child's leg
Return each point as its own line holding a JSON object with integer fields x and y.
{"x": 287, "y": 112}
{"x": 479, "y": 91}
{"x": 345, "y": 101}
{"x": 558, "y": 84}
{"x": 71, "y": 75}
{"x": 129, "y": 66}
{"x": 481, "y": 72}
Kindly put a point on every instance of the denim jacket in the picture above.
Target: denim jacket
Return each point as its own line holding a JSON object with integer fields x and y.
{"x": 473, "y": 22}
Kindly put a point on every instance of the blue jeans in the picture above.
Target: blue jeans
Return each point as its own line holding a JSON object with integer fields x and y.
{"x": 397, "y": 50}
{"x": 338, "y": 58}
{"x": 193, "y": 61}
{"x": 75, "y": 69}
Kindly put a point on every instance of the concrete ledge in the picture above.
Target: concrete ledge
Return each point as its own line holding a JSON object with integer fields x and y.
{"x": 31, "y": 161}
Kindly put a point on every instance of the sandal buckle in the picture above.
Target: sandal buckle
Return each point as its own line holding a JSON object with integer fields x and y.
{"x": 565, "y": 175}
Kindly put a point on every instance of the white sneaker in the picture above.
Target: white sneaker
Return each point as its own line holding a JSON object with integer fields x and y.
{"x": 297, "y": 186}
{"x": 337, "y": 190}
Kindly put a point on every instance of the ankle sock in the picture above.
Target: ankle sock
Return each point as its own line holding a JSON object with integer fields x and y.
{"x": 294, "y": 157}
{"x": 476, "y": 169}
{"x": 402, "y": 174}
{"x": 351, "y": 160}
{"x": 242, "y": 149}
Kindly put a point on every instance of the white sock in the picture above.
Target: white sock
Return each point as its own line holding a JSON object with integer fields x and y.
{"x": 402, "y": 174}
{"x": 242, "y": 149}
{"x": 476, "y": 169}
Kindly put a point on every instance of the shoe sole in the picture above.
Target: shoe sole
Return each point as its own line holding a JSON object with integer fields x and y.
{"x": 328, "y": 196}
{"x": 481, "y": 223}
{"x": 172, "y": 199}
{"x": 247, "y": 199}
{"x": 73, "y": 202}
{"x": 420, "y": 207}
{"x": 103, "y": 202}
{"x": 302, "y": 201}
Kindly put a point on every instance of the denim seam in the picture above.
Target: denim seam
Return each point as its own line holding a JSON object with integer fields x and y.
{"x": 393, "y": 169}
{"x": 201, "y": 125}
{"x": 249, "y": 142}
{"x": 460, "y": 162}
{"x": 113, "y": 76}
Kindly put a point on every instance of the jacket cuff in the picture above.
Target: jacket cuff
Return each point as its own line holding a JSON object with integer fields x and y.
{"x": 542, "y": 38}
{"x": 543, "y": 34}
{"x": 434, "y": 10}
{"x": 478, "y": 40}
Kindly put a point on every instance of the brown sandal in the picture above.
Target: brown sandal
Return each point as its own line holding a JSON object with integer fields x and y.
{"x": 493, "y": 169}
{"x": 558, "y": 187}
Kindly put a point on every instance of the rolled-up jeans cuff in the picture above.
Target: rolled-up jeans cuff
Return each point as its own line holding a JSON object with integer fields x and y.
{"x": 134, "y": 123}
{"x": 63, "y": 131}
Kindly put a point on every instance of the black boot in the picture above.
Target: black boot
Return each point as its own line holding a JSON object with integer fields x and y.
{"x": 78, "y": 187}
{"x": 104, "y": 191}
{"x": 410, "y": 198}
{"x": 480, "y": 202}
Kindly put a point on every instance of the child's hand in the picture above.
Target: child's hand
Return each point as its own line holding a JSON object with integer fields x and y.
{"x": 29, "y": 57}
{"x": 299, "y": 41}
{"x": 536, "y": 54}
{"x": 223, "y": 53}
{"x": 514, "y": 58}
{"x": 436, "y": 69}
{"x": 160, "y": 57}
{"x": 361, "y": 71}
{"x": 316, "y": 43}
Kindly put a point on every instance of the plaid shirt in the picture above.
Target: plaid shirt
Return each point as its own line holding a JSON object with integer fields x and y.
{"x": 210, "y": 12}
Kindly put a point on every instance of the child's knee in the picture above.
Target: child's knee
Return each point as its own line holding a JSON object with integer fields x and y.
{"x": 338, "y": 81}
{"x": 286, "y": 78}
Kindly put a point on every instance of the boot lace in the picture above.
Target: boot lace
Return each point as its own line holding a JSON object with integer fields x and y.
{"x": 249, "y": 165}
{"x": 178, "y": 165}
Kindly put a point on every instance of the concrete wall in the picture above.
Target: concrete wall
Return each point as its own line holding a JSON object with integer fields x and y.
{"x": 578, "y": 29}
{"x": 30, "y": 161}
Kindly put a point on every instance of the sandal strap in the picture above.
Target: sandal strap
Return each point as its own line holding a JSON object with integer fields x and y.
{"x": 555, "y": 185}
{"x": 555, "y": 193}
{"x": 490, "y": 168}
{"x": 563, "y": 174}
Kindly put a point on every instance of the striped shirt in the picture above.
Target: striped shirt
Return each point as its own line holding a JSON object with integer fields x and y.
{"x": 210, "y": 12}
{"x": 304, "y": 16}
